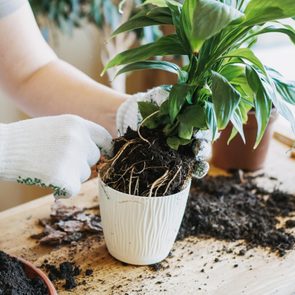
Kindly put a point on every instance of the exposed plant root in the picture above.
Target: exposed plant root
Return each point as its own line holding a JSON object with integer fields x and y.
{"x": 168, "y": 185}
{"x": 144, "y": 165}
{"x": 158, "y": 182}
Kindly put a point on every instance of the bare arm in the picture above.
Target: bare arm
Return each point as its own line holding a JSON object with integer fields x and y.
{"x": 42, "y": 84}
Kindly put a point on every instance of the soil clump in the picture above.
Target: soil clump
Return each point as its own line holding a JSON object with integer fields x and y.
{"x": 66, "y": 271}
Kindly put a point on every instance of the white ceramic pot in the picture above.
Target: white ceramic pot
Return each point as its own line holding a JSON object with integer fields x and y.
{"x": 140, "y": 230}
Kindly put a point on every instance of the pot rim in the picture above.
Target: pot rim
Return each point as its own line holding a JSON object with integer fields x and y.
{"x": 40, "y": 274}
{"x": 188, "y": 183}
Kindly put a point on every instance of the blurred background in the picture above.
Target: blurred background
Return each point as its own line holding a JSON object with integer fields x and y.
{"x": 79, "y": 31}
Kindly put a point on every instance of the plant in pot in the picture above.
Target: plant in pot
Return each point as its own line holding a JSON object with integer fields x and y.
{"x": 144, "y": 187}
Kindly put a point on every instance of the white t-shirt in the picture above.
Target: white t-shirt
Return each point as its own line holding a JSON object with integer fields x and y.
{"x": 9, "y": 6}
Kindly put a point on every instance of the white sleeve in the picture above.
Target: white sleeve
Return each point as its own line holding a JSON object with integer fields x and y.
{"x": 9, "y": 6}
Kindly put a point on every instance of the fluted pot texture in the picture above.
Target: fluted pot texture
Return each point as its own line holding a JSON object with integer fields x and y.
{"x": 140, "y": 230}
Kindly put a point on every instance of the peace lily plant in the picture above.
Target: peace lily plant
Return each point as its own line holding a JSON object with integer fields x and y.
{"x": 220, "y": 83}
{"x": 223, "y": 79}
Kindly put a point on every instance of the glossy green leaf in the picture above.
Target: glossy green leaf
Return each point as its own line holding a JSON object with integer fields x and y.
{"x": 152, "y": 65}
{"x": 237, "y": 121}
{"x": 185, "y": 131}
{"x": 247, "y": 54}
{"x": 233, "y": 134}
{"x": 262, "y": 102}
{"x": 179, "y": 94}
{"x": 167, "y": 45}
{"x": 277, "y": 28}
{"x": 261, "y": 11}
{"x": 174, "y": 142}
{"x": 147, "y": 108}
{"x": 145, "y": 18}
{"x": 284, "y": 87}
{"x": 236, "y": 75}
{"x": 176, "y": 18}
{"x": 194, "y": 115}
{"x": 280, "y": 105}
{"x": 225, "y": 99}
{"x": 161, "y": 3}
{"x": 203, "y": 19}
{"x": 233, "y": 71}
{"x": 164, "y": 108}
{"x": 211, "y": 119}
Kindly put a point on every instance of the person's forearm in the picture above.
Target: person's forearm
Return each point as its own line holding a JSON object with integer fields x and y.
{"x": 59, "y": 88}
{"x": 40, "y": 83}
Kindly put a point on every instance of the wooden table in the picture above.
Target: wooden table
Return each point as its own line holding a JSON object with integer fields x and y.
{"x": 257, "y": 273}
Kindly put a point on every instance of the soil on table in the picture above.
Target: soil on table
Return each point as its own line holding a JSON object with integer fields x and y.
{"x": 14, "y": 281}
{"x": 235, "y": 208}
{"x": 144, "y": 165}
{"x": 66, "y": 271}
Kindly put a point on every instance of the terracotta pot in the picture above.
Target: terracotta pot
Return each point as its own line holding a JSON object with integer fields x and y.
{"x": 33, "y": 272}
{"x": 238, "y": 155}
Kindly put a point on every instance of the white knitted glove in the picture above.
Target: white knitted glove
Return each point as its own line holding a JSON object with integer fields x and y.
{"x": 55, "y": 152}
{"x": 128, "y": 115}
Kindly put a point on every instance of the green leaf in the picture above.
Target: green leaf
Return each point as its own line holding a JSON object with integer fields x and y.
{"x": 174, "y": 142}
{"x": 161, "y": 3}
{"x": 246, "y": 53}
{"x": 279, "y": 103}
{"x": 164, "y": 108}
{"x": 194, "y": 115}
{"x": 261, "y": 11}
{"x": 147, "y": 108}
{"x": 211, "y": 120}
{"x": 262, "y": 102}
{"x": 185, "y": 131}
{"x": 202, "y": 19}
{"x": 233, "y": 71}
{"x": 233, "y": 134}
{"x": 277, "y": 28}
{"x": 237, "y": 122}
{"x": 284, "y": 87}
{"x": 179, "y": 94}
{"x": 152, "y": 65}
{"x": 176, "y": 18}
{"x": 167, "y": 45}
{"x": 145, "y": 18}
{"x": 225, "y": 99}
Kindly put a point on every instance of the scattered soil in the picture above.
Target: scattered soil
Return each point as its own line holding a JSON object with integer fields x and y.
{"x": 145, "y": 165}
{"x": 69, "y": 224}
{"x": 66, "y": 271}
{"x": 14, "y": 281}
{"x": 235, "y": 208}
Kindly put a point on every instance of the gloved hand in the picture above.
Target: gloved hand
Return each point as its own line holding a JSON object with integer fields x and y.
{"x": 55, "y": 152}
{"x": 128, "y": 115}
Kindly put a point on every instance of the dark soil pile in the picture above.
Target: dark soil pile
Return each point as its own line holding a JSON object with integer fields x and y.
{"x": 66, "y": 271}
{"x": 227, "y": 208}
{"x": 145, "y": 165}
{"x": 14, "y": 281}
{"x": 69, "y": 224}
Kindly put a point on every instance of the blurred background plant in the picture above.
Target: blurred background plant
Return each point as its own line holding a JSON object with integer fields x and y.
{"x": 106, "y": 15}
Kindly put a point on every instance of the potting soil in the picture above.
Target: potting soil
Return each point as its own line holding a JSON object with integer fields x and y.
{"x": 231, "y": 208}
{"x": 144, "y": 165}
{"x": 14, "y": 281}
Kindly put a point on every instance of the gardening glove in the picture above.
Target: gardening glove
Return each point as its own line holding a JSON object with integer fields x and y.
{"x": 128, "y": 115}
{"x": 55, "y": 152}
